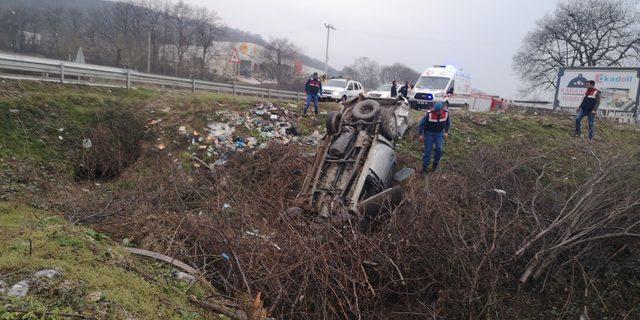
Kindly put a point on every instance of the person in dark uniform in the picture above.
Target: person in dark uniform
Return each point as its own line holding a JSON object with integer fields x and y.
{"x": 404, "y": 90}
{"x": 394, "y": 89}
{"x": 312, "y": 88}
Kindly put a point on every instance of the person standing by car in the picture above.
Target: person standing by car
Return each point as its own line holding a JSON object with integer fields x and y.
{"x": 394, "y": 89}
{"x": 404, "y": 90}
{"x": 588, "y": 108}
{"x": 312, "y": 88}
{"x": 434, "y": 129}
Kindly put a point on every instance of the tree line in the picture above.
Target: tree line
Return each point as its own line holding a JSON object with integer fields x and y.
{"x": 164, "y": 37}
{"x": 371, "y": 74}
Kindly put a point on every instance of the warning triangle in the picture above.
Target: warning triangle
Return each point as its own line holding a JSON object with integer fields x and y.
{"x": 234, "y": 58}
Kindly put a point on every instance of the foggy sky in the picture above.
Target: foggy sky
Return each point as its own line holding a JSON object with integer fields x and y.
{"x": 480, "y": 36}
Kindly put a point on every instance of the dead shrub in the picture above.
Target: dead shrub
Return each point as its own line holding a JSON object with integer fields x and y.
{"x": 456, "y": 247}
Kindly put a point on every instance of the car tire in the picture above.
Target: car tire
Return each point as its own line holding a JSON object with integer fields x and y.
{"x": 366, "y": 110}
{"x": 344, "y": 99}
{"x": 333, "y": 122}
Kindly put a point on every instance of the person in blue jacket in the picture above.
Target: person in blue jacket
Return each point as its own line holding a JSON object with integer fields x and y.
{"x": 434, "y": 128}
{"x": 313, "y": 88}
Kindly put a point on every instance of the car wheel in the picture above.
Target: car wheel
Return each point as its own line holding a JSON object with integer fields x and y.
{"x": 333, "y": 122}
{"x": 366, "y": 110}
{"x": 344, "y": 99}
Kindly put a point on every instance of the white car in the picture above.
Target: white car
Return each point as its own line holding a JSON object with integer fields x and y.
{"x": 341, "y": 90}
{"x": 383, "y": 91}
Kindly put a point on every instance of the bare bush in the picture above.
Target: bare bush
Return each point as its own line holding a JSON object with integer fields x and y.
{"x": 455, "y": 248}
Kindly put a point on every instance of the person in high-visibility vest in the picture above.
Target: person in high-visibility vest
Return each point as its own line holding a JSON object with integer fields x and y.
{"x": 434, "y": 129}
{"x": 588, "y": 108}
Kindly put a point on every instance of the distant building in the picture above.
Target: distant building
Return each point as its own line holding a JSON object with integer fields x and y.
{"x": 251, "y": 57}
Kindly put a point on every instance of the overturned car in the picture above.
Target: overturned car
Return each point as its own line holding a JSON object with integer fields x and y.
{"x": 354, "y": 173}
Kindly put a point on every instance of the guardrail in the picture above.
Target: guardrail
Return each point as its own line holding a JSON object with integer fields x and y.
{"x": 19, "y": 67}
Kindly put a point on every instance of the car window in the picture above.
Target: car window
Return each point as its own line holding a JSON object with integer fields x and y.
{"x": 350, "y": 86}
{"x": 359, "y": 86}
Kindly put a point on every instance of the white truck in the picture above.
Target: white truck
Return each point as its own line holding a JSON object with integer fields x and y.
{"x": 439, "y": 84}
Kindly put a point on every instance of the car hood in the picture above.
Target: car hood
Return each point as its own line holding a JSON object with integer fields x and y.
{"x": 333, "y": 88}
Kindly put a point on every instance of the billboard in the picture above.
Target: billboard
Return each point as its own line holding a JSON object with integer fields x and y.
{"x": 618, "y": 87}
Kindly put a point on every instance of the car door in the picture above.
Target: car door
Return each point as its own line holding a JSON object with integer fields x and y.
{"x": 351, "y": 89}
{"x": 360, "y": 88}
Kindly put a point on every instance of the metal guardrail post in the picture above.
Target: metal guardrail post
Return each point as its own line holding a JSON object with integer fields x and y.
{"x": 297, "y": 95}
{"x": 234, "y": 88}
{"x": 128, "y": 79}
{"x": 269, "y": 93}
{"x": 62, "y": 73}
{"x": 193, "y": 85}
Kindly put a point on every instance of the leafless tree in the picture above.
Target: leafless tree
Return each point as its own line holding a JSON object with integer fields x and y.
{"x": 182, "y": 27}
{"x": 208, "y": 28}
{"x": 398, "y": 71}
{"x": 367, "y": 71}
{"x": 579, "y": 33}
{"x": 278, "y": 59}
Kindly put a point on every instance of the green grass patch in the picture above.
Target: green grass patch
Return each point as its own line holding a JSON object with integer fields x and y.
{"x": 31, "y": 241}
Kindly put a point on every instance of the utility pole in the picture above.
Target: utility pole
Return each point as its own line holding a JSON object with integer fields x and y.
{"x": 326, "y": 59}
{"x": 149, "y": 53}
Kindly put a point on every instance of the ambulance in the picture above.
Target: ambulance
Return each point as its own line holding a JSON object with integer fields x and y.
{"x": 439, "y": 84}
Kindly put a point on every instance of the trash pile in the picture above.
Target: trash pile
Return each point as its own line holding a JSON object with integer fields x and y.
{"x": 255, "y": 129}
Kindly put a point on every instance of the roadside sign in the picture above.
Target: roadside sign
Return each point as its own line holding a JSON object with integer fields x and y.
{"x": 619, "y": 87}
{"x": 234, "y": 58}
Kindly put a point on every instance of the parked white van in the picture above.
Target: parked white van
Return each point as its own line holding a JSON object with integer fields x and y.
{"x": 341, "y": 90}
{"x": 440, "y": 84}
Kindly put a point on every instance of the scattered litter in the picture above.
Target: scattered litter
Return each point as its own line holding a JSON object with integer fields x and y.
{"x": 226, "y": 206}
{"x": 500, "y": 191}
{"x": 48, "y": 273}
{"x": 256, "y": 233}
{"x": 183, "y": 276}
{"x": 225, "y": 256}
{"x": 87, "y": 144}
{"x": 161, "y": 146}
{"x": 264, "y": 125}
{"x": 251, "y": 141}
{"x": 86, "y": 190}
{"x": 60, "y": 138}
{"x": 14, "y": 110}
{"x": 94, "y": 297}
{"x": 61, "y": 130}
{"x": 309, "y": 155}
{"x": 19, "y": 290}
{"x": 154, "y": 121}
